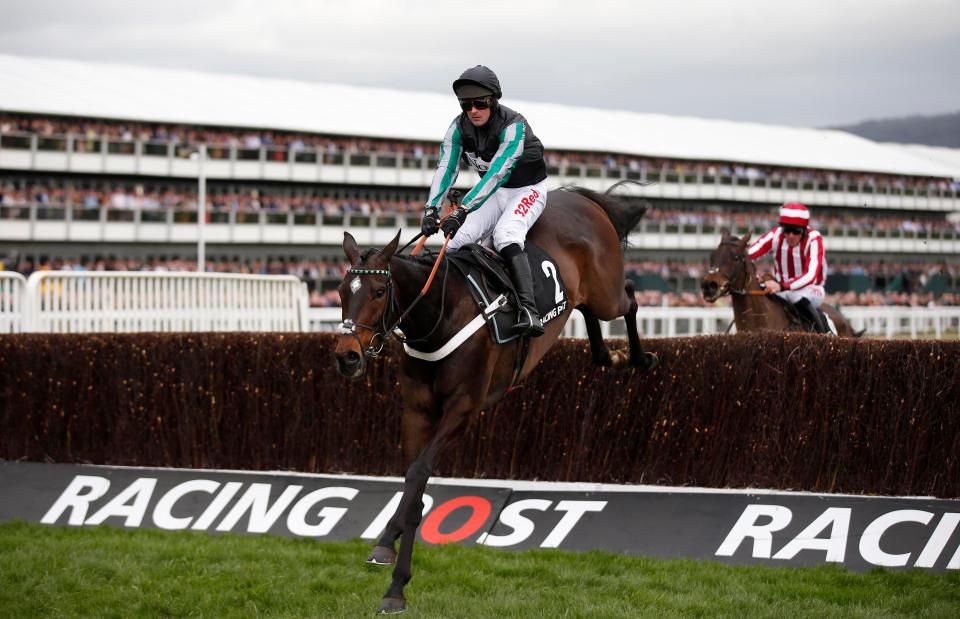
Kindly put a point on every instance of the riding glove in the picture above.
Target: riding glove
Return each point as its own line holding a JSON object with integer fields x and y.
{"x": 428, "y": 225}
{"x": 454, "y": 220}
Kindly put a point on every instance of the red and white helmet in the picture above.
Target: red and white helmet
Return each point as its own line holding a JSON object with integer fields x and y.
{"x": 794, "y": 214}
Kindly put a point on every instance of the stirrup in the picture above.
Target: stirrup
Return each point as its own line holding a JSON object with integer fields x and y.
{"x": 528, "y": 322}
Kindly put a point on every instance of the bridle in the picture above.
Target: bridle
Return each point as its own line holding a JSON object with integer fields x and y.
{"x": 349, "y": 326}
{"x": 740, "y": 273}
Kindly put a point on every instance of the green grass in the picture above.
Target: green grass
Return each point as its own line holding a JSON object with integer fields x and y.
{"x": 110, "y": 572}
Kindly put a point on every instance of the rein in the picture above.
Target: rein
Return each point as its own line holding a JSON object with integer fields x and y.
{"x": 349, "y": 327}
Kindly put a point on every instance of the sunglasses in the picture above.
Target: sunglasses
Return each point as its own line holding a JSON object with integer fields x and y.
{"x": 792, "y": 230}
{"x": 481, "y": 104}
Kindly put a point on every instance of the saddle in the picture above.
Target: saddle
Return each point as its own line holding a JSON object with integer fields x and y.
{"x": 799, "y": 319}
{"x": 487, "y": 279}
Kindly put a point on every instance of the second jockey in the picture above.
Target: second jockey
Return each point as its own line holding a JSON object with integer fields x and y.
{"x": 799, "y": 262}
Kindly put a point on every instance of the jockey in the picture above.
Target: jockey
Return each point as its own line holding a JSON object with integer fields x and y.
{"x": 511, "y": 193}
{"x": 799, "y": 262}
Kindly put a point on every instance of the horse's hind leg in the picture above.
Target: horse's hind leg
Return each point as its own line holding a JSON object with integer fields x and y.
{"x": 638, "y": 358}
{"x": 599, "y": 351}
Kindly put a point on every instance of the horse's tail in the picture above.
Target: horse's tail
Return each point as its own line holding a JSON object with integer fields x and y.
{"x": 623, "y": 214}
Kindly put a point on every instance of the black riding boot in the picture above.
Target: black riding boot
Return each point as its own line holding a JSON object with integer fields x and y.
{"x": 807, "y": 309}
{"x": 528, "y": 319}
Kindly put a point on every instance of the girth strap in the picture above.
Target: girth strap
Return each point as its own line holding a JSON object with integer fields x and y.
{"x": 457, "y": 340}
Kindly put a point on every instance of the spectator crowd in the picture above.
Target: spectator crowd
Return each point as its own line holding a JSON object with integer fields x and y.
{"x": 17, "y": 192}
{"x": 87, "y": 134}
{"x": 890, "y": 283}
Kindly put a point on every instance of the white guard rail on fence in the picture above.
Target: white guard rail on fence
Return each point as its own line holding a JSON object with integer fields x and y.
{"x": 653, "y": 321}
{"x": 883, "y": 322}
{"x": 84, "y": 301}
{"x": 12, "y": 295}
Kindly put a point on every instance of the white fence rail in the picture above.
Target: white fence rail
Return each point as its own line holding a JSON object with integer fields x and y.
{"x": 12, "y": 295}
{"x": 83, "y": 302}
{"x": 652, "y": 321}
{"x": 913, "y": 322}
{"x": 883, "y": 322}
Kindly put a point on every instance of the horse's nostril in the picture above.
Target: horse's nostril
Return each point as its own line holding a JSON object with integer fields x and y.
{"x": 348, "y": 359}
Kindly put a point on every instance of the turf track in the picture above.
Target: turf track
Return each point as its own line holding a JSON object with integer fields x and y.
{"x": 109, "y": 572}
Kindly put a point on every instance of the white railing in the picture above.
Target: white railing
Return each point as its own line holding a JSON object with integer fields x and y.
{"x": 83, "y": 302}
{"x": 882, "y": 322}
{"x": 12, "y": 295}
{"x": 652, "y": 321}
{"x": 913, "y": 322}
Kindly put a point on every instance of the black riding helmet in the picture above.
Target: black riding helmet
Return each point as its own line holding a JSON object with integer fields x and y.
{"x": 478, "y": 81}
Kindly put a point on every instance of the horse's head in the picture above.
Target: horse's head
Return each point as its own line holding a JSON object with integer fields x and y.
{"x": 730, "y": 268}
{"x": 366, "y": 298}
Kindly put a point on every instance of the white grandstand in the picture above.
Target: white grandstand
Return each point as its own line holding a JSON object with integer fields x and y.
{"x": 692, "y": 164}
{"x": 93, "y": 90}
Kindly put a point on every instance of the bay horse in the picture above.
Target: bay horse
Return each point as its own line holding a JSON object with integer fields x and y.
{"x": 732, "y": 273}
{"x": 584, "y": 232}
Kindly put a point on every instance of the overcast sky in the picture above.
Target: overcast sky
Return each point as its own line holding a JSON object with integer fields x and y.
{"x": 797, "y": 62}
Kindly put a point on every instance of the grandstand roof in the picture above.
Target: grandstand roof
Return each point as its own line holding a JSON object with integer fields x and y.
{"x": 949, "y": 157}
{"x": 99, "y": 90}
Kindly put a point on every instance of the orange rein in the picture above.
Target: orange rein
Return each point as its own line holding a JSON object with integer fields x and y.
{"x": 419, "y": 246}
{"x": 436, "y": 265}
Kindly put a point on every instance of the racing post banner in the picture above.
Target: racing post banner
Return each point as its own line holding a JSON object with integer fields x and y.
{"x": 738, "y": 527}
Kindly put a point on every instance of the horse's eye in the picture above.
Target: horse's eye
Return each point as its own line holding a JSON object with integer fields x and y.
{"x": 379, "y": 292}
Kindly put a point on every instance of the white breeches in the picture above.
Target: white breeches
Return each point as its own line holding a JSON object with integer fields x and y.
{"x": 813, "y": 293}
{"x": 508, "y": 214}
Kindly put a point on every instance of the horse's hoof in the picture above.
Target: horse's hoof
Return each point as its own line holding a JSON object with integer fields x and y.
{"x": 381, "y": 555}
{"x": 392, "y": 606}
{"x": 619, "y": 358}
{"x": 652, "y": 360}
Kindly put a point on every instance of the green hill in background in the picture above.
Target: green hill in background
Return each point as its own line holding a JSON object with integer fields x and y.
{"x": 939, "y": 130}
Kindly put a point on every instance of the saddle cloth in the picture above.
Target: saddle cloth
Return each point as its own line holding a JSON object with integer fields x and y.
{"x": 487, "y": 278}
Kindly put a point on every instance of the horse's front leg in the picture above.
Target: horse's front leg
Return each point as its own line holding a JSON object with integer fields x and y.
{"x": 416, "y": 429}
{"x": 405, "y": 523}
{"x": 409, "y": 512}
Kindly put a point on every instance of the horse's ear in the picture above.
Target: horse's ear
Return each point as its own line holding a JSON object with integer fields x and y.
{"x": 350, "y": 248}
{"x": 387, "y": 252}
{"x": 725, "y": 234}
{"x": 745, "y": 240}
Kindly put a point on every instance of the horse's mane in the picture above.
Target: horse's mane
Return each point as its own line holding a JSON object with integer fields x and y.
{"x": 427, "y": 257}
{"x": 623, "y": 214}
